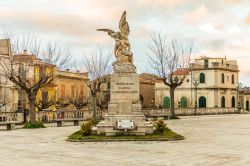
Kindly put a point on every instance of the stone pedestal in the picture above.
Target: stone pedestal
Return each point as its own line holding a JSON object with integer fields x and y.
{"x": 11, "y": 126}
{"x": 124, "y": 104}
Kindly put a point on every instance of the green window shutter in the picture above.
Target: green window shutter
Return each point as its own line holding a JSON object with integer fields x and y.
{"x": 166, "y": 102}
{"x": 202, "y": 78}
{"x": 202, "y": 102}
{"x": 183, "y": 102}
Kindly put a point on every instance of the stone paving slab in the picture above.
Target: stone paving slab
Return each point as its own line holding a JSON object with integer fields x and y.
{"x": 210, "y": 140}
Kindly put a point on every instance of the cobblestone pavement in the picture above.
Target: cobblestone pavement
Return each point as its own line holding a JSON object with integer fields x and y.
{"x": 210, "y": 140}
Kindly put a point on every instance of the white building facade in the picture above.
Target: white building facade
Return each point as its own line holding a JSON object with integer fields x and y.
{"x": 211, "y": 82}
{"x": 8, "y": 92}
{"x": 245, "y": 98}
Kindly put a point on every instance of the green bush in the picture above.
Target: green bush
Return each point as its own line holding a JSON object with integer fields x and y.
{"x": 93, "y": 122}
{"x": 160, "y": 126}
{"x": 37, "y": 124}
{"x": 86, "y": 128}
{"x": 174, "y": 117}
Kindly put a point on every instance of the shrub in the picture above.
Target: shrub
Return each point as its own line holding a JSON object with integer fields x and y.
{"x": 37, "y": 124}
{"x": 160, "y": 126}
{"x": 79, "y": 137}
{"x": 93, "y": 122}
{"x": 174, "y": 117}
{"x": 86, "y": 128}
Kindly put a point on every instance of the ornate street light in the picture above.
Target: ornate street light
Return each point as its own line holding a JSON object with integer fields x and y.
{"x": 196, "y": 83}
{"x": 239, "y": 86}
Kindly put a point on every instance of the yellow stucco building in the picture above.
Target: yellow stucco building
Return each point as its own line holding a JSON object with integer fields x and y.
{"x": 65, "y": 85}
{"x": 71, "y": 85}
{"x": 33, "y": 69}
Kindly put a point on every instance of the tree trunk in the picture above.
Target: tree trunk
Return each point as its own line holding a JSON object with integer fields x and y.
{"x": 172, "y": 105}
{"x": 32, "y": 101}
{"x": 94, "y": 106}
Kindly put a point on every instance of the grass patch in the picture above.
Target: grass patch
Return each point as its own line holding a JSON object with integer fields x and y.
{"x": 35, "y": 125}
{"x": 167, "y": 135}
{"x": 174, "y": 117}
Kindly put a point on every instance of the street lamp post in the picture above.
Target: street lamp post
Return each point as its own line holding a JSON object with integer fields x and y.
{"x": 196, "y": 83}
{"x": 238, "y": 97}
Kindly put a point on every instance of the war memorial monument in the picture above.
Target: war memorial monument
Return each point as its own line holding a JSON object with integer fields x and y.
{"x": 124, "y": 109}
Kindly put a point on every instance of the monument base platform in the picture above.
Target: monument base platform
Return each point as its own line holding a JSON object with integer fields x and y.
{"x": 109, "y": 126}
{"x": 125, "y": 116}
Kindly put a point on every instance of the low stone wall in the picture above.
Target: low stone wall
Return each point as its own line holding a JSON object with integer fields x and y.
{"x": 50, "y": 116}
{"x": 206, "y": 111}
{"x": 190, "y": 111}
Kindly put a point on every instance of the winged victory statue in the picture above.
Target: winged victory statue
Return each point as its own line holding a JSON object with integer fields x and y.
{"x": 122, "y": 46}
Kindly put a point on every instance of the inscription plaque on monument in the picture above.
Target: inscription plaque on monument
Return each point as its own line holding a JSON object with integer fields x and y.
{"x": 124, "y": 88}
{"x": 125, "y": 124}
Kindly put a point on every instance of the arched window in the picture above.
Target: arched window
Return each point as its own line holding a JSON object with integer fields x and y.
{"x": 232, "y": 79}
{"x": 247, "y": 105}
{"x": 166, "y": 102}
{"x": 202, "y": 102}
{"x": 233, "y": 101}
{"x": 183, "y": 102}
{"x": 222, "y": 78}
{"x": 202, "y": 78}
{"x": 223, "y": 102}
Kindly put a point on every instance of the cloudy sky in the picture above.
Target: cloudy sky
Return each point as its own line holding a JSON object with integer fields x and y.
{"x": 219, "y": 28}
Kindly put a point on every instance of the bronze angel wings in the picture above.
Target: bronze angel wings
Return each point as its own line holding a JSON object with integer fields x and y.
{"x": 123, "y": 26}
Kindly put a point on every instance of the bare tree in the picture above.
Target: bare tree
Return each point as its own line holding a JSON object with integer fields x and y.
{"x": 97, "y": 66}
{"x": 159, "y": 100}
{"x": 55, "y": 54}
{"x": 17, "y": 70}
{"x": 61, "y": 104}
{"x": 19, "y": 43}
{"x": 78, "y": 99}
{"x": 50, "y": 52}
{"x": 2, "y": 101}
{"x": 169, "y": 59}
{"x": 44, "y": 104}
{"x": 102, "y": 100}
{"x": 4, "y": 97}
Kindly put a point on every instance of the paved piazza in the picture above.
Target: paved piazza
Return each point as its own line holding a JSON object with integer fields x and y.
{"x": 210, "y": 140}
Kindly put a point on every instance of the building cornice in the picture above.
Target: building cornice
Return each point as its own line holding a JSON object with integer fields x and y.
{"x": 219, "y": 69}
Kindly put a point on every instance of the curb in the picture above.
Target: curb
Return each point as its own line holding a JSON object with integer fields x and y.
{"x": 127, "y": 140}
